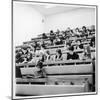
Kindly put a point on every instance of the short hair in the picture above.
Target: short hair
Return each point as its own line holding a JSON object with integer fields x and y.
{"x": 71, "y": 48}
{"x": 83, "y": 27}
{"x": 48, "y": 52}
{"x": 51, "y": 31}
{"x": 59, "y": 51}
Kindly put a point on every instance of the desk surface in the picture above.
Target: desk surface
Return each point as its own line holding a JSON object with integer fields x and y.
{"x": 58, "y": 62}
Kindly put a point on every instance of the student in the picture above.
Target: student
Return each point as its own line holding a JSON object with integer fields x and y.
{"x": 35, "y": 45}
{"x": 93, "y": 28}
{"x": 41, "y": 71}
{"x": 58, "y": 55}
{"x": 19, "y": 56}
{"x": 84, "y": 31}
{"x": 87, "y": 52}
{"x": 67, "y": 45}
{"x": 43, "y": 45}
{"x": 72, "y": 55}
{"x": 44, "y": 36}
{"x": 58, "y": 41}
{"x": 92, "y": 42}
{"x": 79, "y": 44}
{"x": 57, "y": 33}
{"x": 52, "y": 37}
{"x": 29, "y": 57}
{"x": 77, "y": 32}
{"x": 47, "y": 55}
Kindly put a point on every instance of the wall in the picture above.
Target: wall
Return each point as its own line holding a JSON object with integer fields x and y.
{"x": 27, "y": 23}
{"x": 73, "y": 18}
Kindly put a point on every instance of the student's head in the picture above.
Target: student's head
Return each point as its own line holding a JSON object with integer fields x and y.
{"x": 68, "y": 29}
{"x": 71, "y": 50}
{"x": 78, "y": 42}
{"x": 85, "y": 46}
{"x": 51, "y": 31}
{"x": 77, "y": 29}
{"x": 68, "y": 45}
{"x": 84, "y": 28}
{"x": 48, "y": 52}
{"x": 43, "y": 34}
{"x": 75, "y": 47}
{"x": 20, "y": 51}
{"x": 93, "y": 27}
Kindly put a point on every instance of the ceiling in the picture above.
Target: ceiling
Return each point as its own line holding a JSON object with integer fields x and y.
{"x": 50, "y": 8}
{"x": 53, "y": 9}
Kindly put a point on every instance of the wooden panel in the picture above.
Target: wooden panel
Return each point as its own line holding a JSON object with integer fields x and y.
{"x": 71, "y": 77}
{"x": 29, "y": 71}
{"x": 86, "y": 68}
{"x": 48, "y": 89}
{"x": 77, "y": 79}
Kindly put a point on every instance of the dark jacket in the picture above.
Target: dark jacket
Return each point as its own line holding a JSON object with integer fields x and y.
{"x": 72, "y": 56}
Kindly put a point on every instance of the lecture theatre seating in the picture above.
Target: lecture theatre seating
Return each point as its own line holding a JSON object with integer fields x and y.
{"x": 63, "y": 77}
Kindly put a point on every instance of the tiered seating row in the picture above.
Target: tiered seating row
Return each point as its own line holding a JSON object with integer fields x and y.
{"x": 58, "y": 62}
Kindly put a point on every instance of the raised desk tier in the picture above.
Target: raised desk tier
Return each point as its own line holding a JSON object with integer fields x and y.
{"x": 60, "y": 70}
{"x": 39, "y": 90}
{"x": 64, "y": 62}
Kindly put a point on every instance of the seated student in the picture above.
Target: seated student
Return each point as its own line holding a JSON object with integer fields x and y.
{"x": 84, "y": 31}
{"x": 58, "y": 55}
{"x": 93, "y": 28}
{"x": 77, "y": 32}
{"x": 67, "y": 46}
{"x": 75, "y": 47}
{"x": 72, "y": 32}
{"x": 68, "y": 32}
{"x": 58, "y": 41}
{"x": 19, "y": 56}
{"x": 72, "y": 55}
{"x": 41, "y": 71}
{"x": 44, "y": 36}
{"x": 43, "y": 44}
{"x": 57, "y": 33}
{"x": 29, "y": 57}
{"x": 79, "y": 44}
{"x": 87, "y": 52}
{"x": 39, "y": 51}
{"x": 52, "y": 37}
{"x": 47, "y": 55}
{"x": 92, "y": 42}
{"x": 35, "y": 45}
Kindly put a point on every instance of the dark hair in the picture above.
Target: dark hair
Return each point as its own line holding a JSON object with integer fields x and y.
{"x": 59, "y": 51}
{"x": 51, "y": 31}
{"x": 71, "y": 48}
{"x": 83, "y": 27}
{"x": 77, "y": 29}
{"x": 47, "y": 52}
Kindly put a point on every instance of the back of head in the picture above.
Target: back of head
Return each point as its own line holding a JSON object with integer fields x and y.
{"x": 71, "y": 48}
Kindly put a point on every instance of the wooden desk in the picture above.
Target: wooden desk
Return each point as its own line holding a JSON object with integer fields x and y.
{"x": 58, "y": 62}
